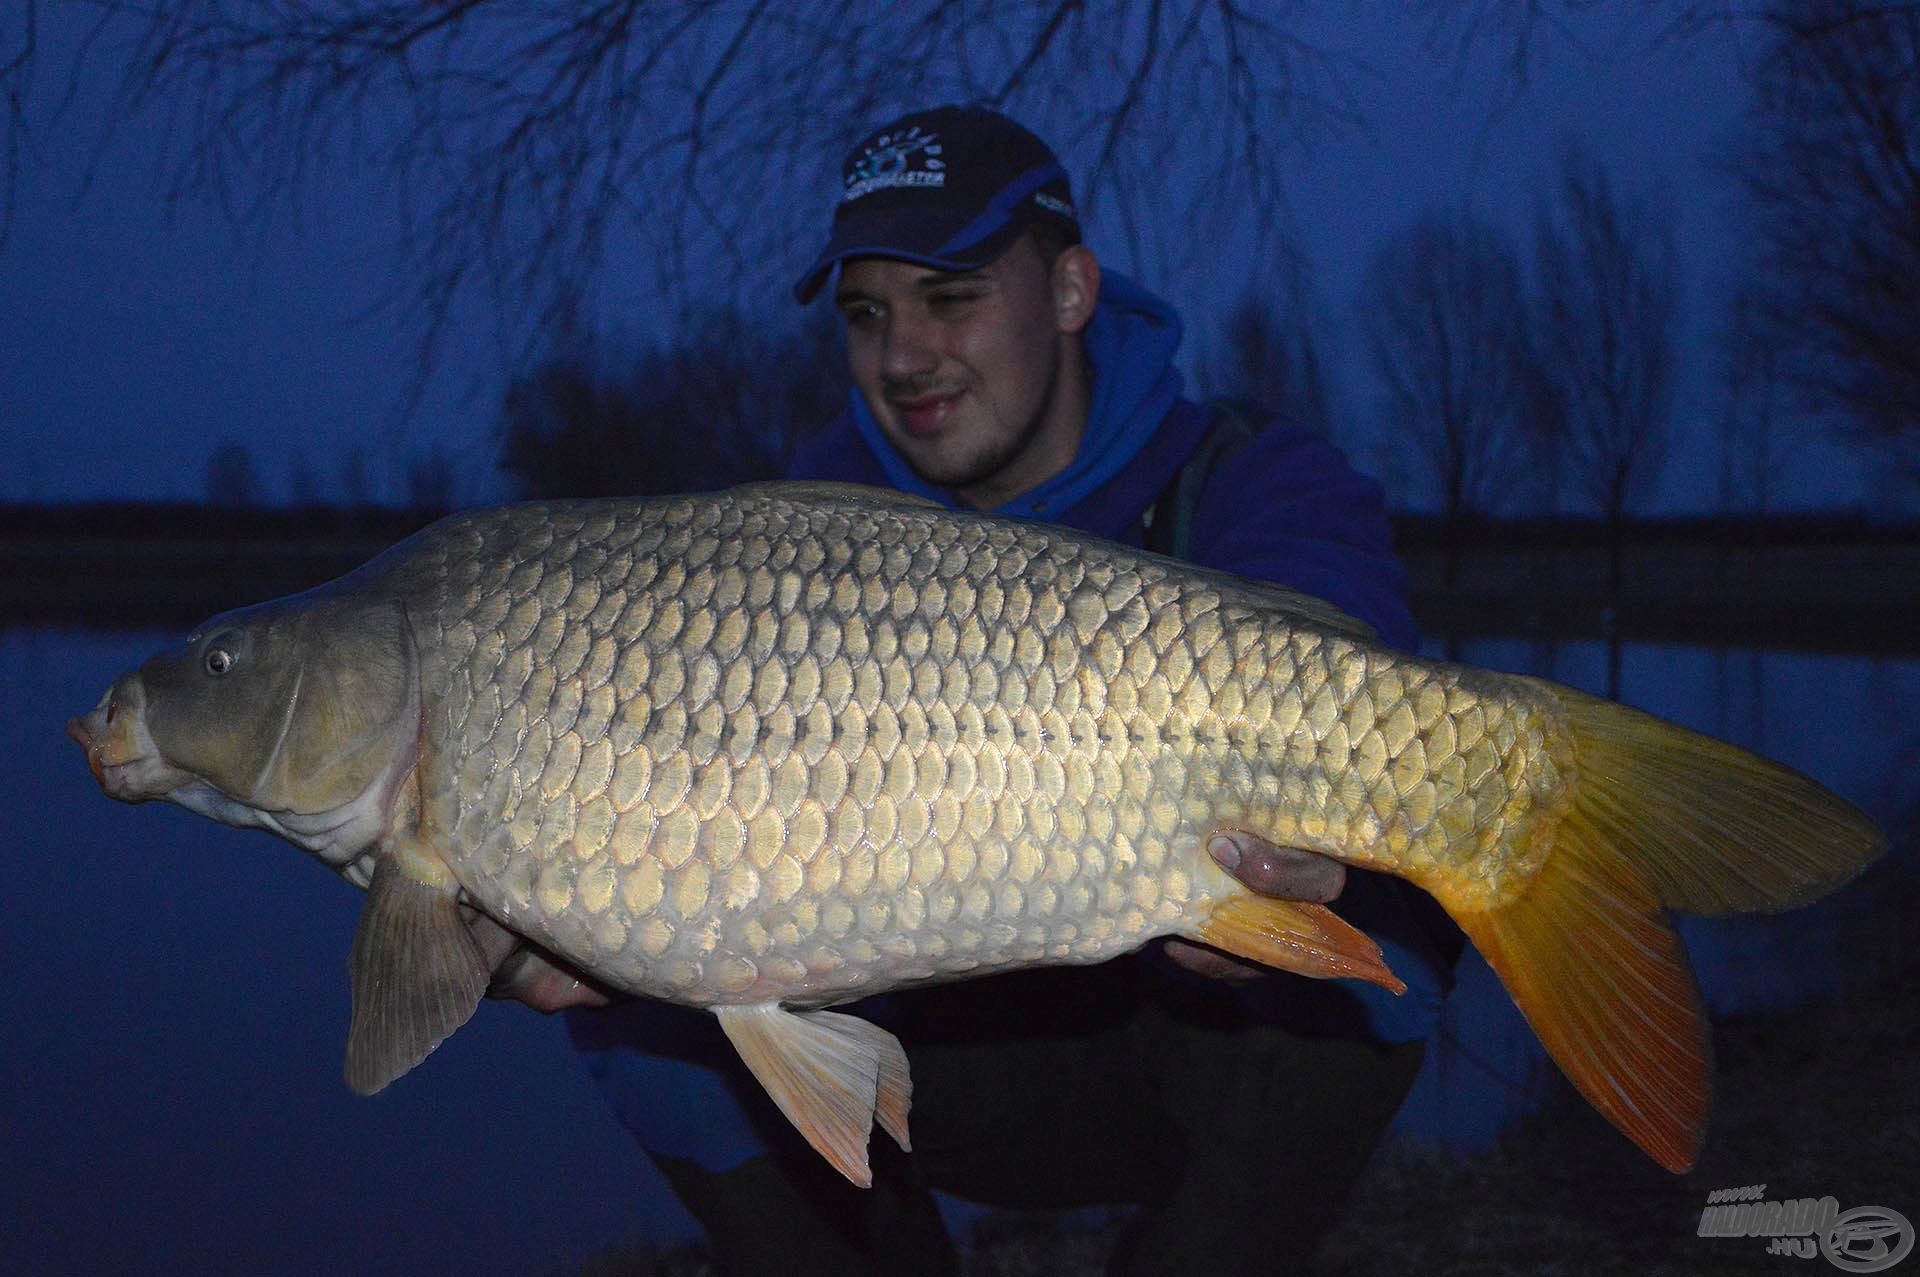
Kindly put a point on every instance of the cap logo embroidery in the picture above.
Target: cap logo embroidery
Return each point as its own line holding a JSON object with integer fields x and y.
{"x": 893, "y": 160}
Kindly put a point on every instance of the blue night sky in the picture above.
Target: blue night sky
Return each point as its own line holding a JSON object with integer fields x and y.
{"x": 140, "y": 332}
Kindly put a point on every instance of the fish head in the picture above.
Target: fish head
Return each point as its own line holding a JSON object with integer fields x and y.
{"x": 296, "y": 708}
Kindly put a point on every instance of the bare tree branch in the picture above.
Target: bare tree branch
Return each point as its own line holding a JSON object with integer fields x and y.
{"x": 523, "y": 141}
{"x": 1444, "y": 310}
{"x": 1608, "y": 299}
{"x": 1276, "y": 353}
{"x": 1833, "y": 164}
{"x": 16, "y": 75}
{"x": 1750, "y": 443}
{"x": 721, "y": 404}
{"x": 554, "y": 157}
{"x": 1605, "y": 314}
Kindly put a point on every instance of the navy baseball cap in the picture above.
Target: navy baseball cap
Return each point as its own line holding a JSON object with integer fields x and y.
{"x": 951, "y": 188}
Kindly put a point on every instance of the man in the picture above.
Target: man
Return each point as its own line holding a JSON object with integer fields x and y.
{"x": 997, "y": 368}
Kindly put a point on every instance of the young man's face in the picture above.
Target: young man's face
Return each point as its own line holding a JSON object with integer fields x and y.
{"x": 967, "y": 372}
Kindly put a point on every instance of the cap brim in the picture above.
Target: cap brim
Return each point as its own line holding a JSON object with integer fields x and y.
{"x": 844, "y": 248}
{"x": 810, "y": 284}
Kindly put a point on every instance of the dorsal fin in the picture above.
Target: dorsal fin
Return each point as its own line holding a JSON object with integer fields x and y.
{"x": 1267, "y": 597}
{"x": 835, "y": 490}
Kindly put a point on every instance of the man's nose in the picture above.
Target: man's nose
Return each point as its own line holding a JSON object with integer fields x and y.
{"x": 908, "y": 351}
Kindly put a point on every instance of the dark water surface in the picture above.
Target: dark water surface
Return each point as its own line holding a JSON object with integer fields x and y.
{"x": 172, "y": 1032}
{"x": 171, "y": 1041}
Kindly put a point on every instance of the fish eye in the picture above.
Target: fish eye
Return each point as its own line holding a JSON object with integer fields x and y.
{"x": 222, "y": 654}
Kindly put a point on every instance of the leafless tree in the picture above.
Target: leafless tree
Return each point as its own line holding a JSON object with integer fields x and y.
{"x": 303, "y": 485}
{"x": 1274, "y": 352}
{"x": 1750, "y": 444}
{"x": 1444, "y": 310}
{"x": 1750, "y": 457}
{"x": 356, "y": 483}
{"x": 1606, "y": 306}
{"x": 1832, "y": 163}
{"x": 432, "y": 480}
{"x": 230, "y": 479}
{"x": 724, "y": 404}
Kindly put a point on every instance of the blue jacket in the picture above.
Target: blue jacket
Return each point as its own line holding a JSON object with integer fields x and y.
{"x": 1285, "y": 508}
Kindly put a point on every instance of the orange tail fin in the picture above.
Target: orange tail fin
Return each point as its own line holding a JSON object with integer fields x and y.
{"x": 1661, "y": 818}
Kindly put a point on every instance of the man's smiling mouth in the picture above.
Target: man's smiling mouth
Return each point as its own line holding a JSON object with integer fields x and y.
{"x": 925, "y": 414}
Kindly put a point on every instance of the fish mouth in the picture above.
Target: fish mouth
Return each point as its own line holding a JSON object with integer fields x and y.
{"x": 119, "y": 751}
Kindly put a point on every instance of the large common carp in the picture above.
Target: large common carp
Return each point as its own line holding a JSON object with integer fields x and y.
{"x": 771, "y": 749}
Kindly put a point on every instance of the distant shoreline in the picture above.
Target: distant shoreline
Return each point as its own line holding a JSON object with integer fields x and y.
{"x": 1838, "y": 584}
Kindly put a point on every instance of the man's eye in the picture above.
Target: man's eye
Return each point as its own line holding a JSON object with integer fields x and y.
{"x": 860, "y": 316}
{"x": 953, "y": 301}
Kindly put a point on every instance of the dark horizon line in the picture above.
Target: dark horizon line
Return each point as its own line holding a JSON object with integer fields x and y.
{"x": 1815, "y": 582}
{"x": 96, "y": 517}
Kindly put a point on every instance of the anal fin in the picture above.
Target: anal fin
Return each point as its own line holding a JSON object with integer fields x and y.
{"x": 833, "y": 1075}
{"x": 1307, "y": 939}
{"x": 417, "y": 971}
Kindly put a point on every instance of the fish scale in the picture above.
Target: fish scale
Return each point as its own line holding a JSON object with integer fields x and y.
{"x": 862, "y": 709}
{"x": 774, "y": 748}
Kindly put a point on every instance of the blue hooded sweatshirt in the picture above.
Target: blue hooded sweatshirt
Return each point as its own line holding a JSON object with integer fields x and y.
{"x": 1285, "y": 508}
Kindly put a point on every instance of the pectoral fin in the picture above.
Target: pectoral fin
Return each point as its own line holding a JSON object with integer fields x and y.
{"x": 831, "y": 1074}
{"x": 1308, "y": 939}
{"x": 417, "y": 972}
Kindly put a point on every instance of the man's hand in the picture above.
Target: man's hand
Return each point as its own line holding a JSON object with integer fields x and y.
{"x": 1284, "y": 872}
{"x": 525, "y": 973}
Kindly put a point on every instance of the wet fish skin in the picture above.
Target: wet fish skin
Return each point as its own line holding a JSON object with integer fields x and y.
{"x": 917, "y": 745}
{"x": 786, "y": 745}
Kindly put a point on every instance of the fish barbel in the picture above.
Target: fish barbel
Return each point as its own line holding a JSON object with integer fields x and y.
{"x": 771, "y": 749}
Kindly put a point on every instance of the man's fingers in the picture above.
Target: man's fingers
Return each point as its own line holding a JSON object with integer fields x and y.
{"x": 495, "y": 941}
{"x": 1286, "y": 873}
{"x": 523, "y": 973}
{"x": 1283, "y": 872}
{"x": 1212, "y": 963}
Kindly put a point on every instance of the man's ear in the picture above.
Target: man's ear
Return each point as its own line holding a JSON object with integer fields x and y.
{"x": 1076, "y": 288}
